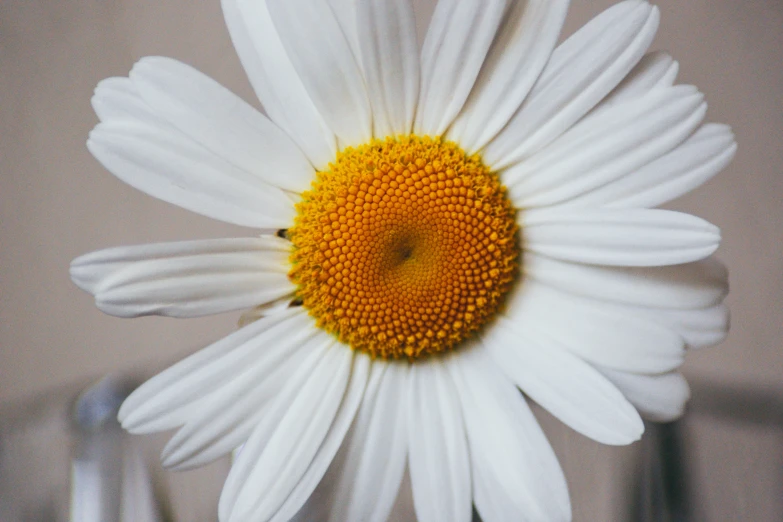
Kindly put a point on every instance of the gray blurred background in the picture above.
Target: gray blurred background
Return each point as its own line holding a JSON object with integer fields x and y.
{"x": 56, "y": 203}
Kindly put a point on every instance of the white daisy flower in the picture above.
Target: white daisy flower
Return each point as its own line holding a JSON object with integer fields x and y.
{"x": 440, "y": 230}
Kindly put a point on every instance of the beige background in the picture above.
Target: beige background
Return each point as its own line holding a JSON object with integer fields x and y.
{"x": 56, "y": 202}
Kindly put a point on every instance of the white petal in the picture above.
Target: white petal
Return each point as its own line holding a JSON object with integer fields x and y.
{"x": 569, "y": 388}
{"x": 277, "y": 466}
{"x": 346, "y": 13}
{"x": 354, "y": 396}
{"x": 117, "y": 99}
{"x": 694, "y": 162}
{"x": 518, "y": 55}
{"x": 599, "y": 332}
{"x": 581, "y": 71}
{"x": 223, "y": 420}
{"x": 659, "y": 398}
{"x": 364, "y": 478}
{"x": 299, "y": 393}
{"x": 457, "y": 41}
{"x": 516, "y": 475}
{"x": 390, "y": 59}
{"x": 437, "y": 450}
{"x": 166, "y": 400}
{"x": 322, "y": 57}
{"x": 693, "y": 285}
{"x": 89, "y": 270}
{"x": 223, "y": 123}
{"x": 602, "y": 149}
{"x": 186, "y": 279}
{"x": 275, "y": 81}
{"x": 165, "y": 164}
{"x": 700, "y": 328}
{"x": 656, "y": 70}
{"x": 633, "y": 237}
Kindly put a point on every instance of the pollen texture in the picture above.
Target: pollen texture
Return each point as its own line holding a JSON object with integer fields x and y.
{"x": 404, "y": 247}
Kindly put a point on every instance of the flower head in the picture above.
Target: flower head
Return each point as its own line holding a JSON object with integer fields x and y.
{"x": 439, "y": 230}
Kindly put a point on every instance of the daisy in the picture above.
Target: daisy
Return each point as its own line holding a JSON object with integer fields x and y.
{"x": 438, "y": 231}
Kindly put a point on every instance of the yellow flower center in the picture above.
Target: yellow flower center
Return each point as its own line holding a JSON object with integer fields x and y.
{"x": 404, "y": 247}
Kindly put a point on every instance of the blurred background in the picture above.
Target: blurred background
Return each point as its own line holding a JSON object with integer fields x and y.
{"x": 56, "y": 203}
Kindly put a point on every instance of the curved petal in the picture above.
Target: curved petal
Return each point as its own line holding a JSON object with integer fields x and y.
{"x": 700, "y": 284}
{"x": 708, "y": 151}
{"x": 166, "y": 165}
{"x": 275, "y": 81}
{"x": 701, "y": 327}
{"x": 364, "y": 478}
{"x": 602, "y": 149}
{"x": 598, "y": 332}
{"x": 581, "y": 71}
{"x": 569, "y": 388}
{"x": 117, "y": 99}
{"x": 633, "y": 237}
{"x": 516, "y": 475}
{"x": 659, "y": 398}
{"x": 656, "y": 70}
{"x": 354, "y": 396}
{"x": 346, "y": 13}
{"x": 438, "y": 457}
{"x": 89, "y": 270}
{"x": 457, "y": 41}
{"x": 223, "y": 420}
{"x": 306, "y": 380}
{"x": 223, "y": 123}
{"x": 280, "y": 450}
{"x": 321, "y": 54}
{"x": 186, "y": 279}
{"x": 390, "y": 59}
{"x": 168, "y": 399}
{"x": 518, "y": 55}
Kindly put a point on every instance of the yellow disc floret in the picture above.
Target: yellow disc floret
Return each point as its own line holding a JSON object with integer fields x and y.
{"x": 404, "y": 246}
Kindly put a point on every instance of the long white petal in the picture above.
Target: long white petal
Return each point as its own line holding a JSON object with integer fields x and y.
{"x": 165, "y": 401}
{"x": 659, "y": 398}
{"x": 117, "y": 99}
{"x": 516, "y": 475}
{"x": 700, "y": 284}
{"x": 708, "y": 151}
{"x": 599, "y": 332}
{"x": 364, "y": 478}
{"x": 165, "y": 164}
{"x": 88, "y": 270}
{"x": 686, "y": 299}
{"x": 457, "y": 41}
{"x": 275, "y": 81}
{"x": 278, "y": 454}
{"x": 186, "y": 279}
{"x": 346, "y": 13}
{"x": 322, "y": 57}
{"x": 299, "y": 391}
{"x": 565, "y": 385}
{"x": 213, "y": 116}
{"x": 602, "y": 149}
{"x": 223, "y": 420}
{"x": 390, "y": 59}
{"x": 354, "y": 397}
{"x": 581, "y": 71}
{"x": 622, "y": 237}
{"x": 518, "y": 55}
{"x": 656, "y": 70}
{"x": 438, "y": 454}
{"x": 701, "y": 327}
